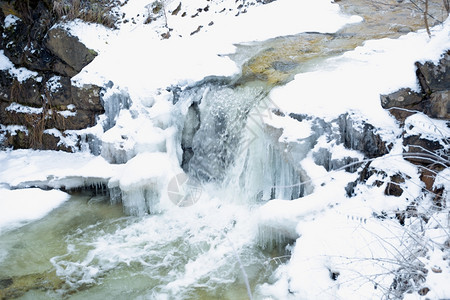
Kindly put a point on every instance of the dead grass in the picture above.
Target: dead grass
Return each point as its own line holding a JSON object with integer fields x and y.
{"x": 93, "y": 11}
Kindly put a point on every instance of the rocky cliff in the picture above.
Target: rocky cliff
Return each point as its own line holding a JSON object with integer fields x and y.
{"x": 39, "y": 105}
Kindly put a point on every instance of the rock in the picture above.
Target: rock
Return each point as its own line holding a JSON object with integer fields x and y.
{"x": 439, "y": 105}
{"x": 435, "y": 98}
{"x": 402, "y": 103}
{"x": 26, "y": 92}
{"x": 62, "y": 69}
{"x": 68, "y": 48}
{"x": 22, "y": 42}
{"x": 15, "y": 40}
{"x": 18, "y": 140}
{"x": 423, "y": 291}
{"x": 433, "y": 77}
{"x": 393, "y": 187}
{"x": 402, "y": 98}
{"x": 58, "y": 90}
{"x": 365, "y": 140}
{"x": 48, "y": 100}
{"x": 82, "y": 119}
{"x": 418, "y": 150}
{"x": 427, "y": 176}
{"x": 50, "y": 142}
{"x": 87, "y": 97}
{"x": 6, "y": 81}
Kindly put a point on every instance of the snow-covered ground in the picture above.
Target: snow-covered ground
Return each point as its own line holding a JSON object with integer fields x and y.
{"x": 345, "y": 248}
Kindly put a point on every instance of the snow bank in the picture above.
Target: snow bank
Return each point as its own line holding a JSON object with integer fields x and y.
{"x": 25, "y": 168}
{"x": 18, "y": 207}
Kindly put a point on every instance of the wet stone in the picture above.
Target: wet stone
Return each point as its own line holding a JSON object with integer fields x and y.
{"x": 4, "y": 283}
{"x": 284, "y": 66}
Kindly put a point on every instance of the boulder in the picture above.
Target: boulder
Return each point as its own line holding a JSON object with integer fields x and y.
{"x": 439, "y": 105}
{"x": 68, "y": 48}
{"x": 79, "y": 120}
{"x": 403, "y": 98}
{"x": 87, "y": 97}
{"x": 434, "y": 100}
{"x": 433, "y": 77}
{"x": 18, "y": 140}
{"x": 58, "y": 90}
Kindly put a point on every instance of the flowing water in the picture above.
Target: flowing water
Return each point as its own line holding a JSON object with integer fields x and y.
{"x": 213, "y": 249}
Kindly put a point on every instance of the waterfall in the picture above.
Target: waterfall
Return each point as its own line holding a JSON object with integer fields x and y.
{"x": 219, "y": 132}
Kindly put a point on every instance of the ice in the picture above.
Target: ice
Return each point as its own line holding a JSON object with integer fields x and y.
{"x": 21, "y": 206}
{"x": 28, "y": 168}
{"x": 223, "y": 113}
{"x": 114, "y": 100}
{"x": 143, "y": 183}
{"x": 132, "y": 135}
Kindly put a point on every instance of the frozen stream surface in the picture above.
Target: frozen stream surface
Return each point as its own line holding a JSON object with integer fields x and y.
{"x": 216, "y": 171}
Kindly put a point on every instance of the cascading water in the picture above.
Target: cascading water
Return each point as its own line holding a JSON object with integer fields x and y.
{"x": 226, "y": 140}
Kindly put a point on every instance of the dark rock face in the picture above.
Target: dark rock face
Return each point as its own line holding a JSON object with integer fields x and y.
{"x": 434, "y": 78}
{"x": 365, "y": 140}
{"x": 46, "y": 99}
{"x": 434, "y": 99}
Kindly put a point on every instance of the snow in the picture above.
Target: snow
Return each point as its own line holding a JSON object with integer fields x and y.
{"x": 293, "y": 130}
{"x": 18, "y": 108}
{"x": 21, "y": 74}
{"x": 67, "y": 113}
{"x": 12, "y": 129}
{"x": 21, "y": 206}
{"x": 10, "y": 20}
{"x": 53, "y": 84}
{"x": 26, "y": 168}
{"x": 143, "y": 181}
{"x": 427, "y": 128}
{"x": 69, "y": 139}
